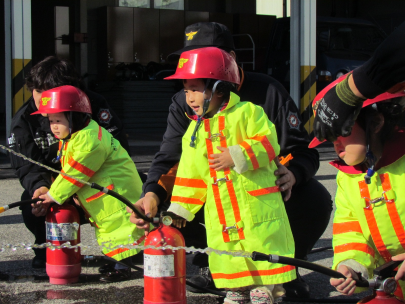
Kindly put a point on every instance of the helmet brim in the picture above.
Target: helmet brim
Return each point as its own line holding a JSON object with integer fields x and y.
{"x": 315, "y": 142}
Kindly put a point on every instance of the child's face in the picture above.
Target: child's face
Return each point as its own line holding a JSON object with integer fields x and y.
{"x": 194, "y": 89}
{"x": 352, "y": 149}
{"x": 59, "y": 125}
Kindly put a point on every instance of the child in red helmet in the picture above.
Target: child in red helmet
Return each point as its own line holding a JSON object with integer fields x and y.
{"x": 90, "y": 153}
{"x": 227, "y": 164}
{"x": 368, "y": 229}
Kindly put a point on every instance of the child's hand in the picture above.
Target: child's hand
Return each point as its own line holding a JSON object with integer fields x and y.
{"x": 348, "y": 285}
{"x": 222, "y": 160}
{"x": 401, "y": 270}
{"x": 286, "y": 180}
{"x": 179, "y": 223}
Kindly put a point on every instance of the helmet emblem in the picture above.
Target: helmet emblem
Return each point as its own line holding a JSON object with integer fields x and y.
{"x": 182, "y": 61}
{"x": 190, "y": 35}
{"x": 45, "y": 100}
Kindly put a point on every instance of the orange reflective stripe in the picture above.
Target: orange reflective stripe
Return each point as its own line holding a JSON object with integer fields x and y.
{"x": 353, "y": 226}
{"x": 121, "y": 250}
{"x": 213, "y": 174}
{"x": 190, "y": 182}
{"x": 229, "y": 183}
{"x": 354, "y": 246}
{"x": 372, "y": 223}
{"x": 221, "y": 123}
{"x": 210, "y": 149}
{"x": 264, "y": 191}
{"x": 187, "y": 200}
{"x": 392, "y": 211}
{"x": 100, "y": 133}
{"x": 220, "y": 210}
{"x": 235, "y": 207}
{"x": 251, "y": 155}
{"x": 73, "y": 181}
{"x": 81, "y": 168}
{"x": 98, "y": 194}
{"x": 267, "y": 146}
{"x": 253, "y": 273}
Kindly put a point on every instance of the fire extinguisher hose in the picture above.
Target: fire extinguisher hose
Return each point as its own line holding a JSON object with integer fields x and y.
{"x": 18, "y": 204}
{"x": 125, "y": 201}
{"x": 257, "y": 256}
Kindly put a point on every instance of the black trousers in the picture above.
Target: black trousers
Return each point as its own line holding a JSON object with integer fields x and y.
{"x": 308, "y": 210}
{"x": 37, "y": 224}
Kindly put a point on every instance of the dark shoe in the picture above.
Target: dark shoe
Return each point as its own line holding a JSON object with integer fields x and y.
{"x": 4, "y": 277}
{"x": 204, "y": 280}
{"x": 118, "y": 275}
{"x": 107, "y": 268}
{"x": 38, "y": 262}
{"x": 297, "y": 288}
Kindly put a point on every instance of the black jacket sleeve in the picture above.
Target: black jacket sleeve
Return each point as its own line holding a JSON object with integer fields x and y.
{"x": 108, "y": 119}
{"x": 385, "y": 68}
{"x": 170, "y": 148}
{"x": 21, "y": 140}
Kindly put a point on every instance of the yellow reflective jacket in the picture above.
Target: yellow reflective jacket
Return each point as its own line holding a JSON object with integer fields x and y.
{"x": 369, "y": 220}
{"x": 94, "y": 155}
{"x": 244, "y": 211}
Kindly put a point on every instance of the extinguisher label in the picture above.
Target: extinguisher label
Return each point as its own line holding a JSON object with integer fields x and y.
{"x": 158, "y": 266}
{"x": 61, "y": 232}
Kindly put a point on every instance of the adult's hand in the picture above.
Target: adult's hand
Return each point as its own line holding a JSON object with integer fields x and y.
{"x": 345, "y": 286}
{"x": 148, "y": 205}
{"x": 401, "y": 270}
{"x": 286, "y": 181}
{"x": 41, "y": 208}
{"x": 337, "y": 110}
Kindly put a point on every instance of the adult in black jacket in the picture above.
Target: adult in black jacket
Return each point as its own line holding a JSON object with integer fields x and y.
{"x": 31, "y": 135}
{"x": 308, "y": 205}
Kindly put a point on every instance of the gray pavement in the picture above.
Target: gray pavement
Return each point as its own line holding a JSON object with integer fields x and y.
{"x": 19, "y": 283}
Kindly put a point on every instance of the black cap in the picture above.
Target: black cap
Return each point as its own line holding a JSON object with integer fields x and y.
{"x": 204, "y": 34}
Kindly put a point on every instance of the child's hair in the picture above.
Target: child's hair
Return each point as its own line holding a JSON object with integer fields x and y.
{"x": 52, "y": 72}
{"x": 79, "y": 120}
{"x": 393, "y": 112}
{"x": 223, "y": 87}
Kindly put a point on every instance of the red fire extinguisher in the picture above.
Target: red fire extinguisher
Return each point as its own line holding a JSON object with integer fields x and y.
{"x": 63, "y": 266}
{"x": 164, "y": 270}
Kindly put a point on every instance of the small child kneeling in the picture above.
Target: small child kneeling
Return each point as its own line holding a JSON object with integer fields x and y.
{"x": 90, "y": 153}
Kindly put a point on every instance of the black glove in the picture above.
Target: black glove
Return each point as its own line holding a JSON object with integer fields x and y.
{"x": 333, "y": 117}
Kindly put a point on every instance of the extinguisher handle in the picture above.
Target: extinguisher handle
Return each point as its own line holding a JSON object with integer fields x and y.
{"x": 122, "y": 199}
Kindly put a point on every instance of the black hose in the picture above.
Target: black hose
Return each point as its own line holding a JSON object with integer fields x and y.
{"x": 26, "y": 202}
{"x": 257, "y": 256}
{"x": 122, "y": 199}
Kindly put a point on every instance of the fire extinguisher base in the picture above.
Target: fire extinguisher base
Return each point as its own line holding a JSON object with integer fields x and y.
{"x": 63, "y": 274}
{"x": 177, "y": 302}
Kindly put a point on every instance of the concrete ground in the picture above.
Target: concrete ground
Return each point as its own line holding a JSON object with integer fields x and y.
{"x": 19, "y": 283}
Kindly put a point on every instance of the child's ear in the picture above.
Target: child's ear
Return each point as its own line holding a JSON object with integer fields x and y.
{"x": 377, "y": 123}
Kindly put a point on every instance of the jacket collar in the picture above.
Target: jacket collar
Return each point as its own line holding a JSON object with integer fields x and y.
{"x": 233, "y": 100}
{"x": 393, "y": 150}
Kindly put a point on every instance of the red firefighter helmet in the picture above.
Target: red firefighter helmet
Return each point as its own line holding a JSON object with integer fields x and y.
{"x": 63, "y": 99}
{"x": 382, "y": 97}
{"x": 209, "y": 62}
